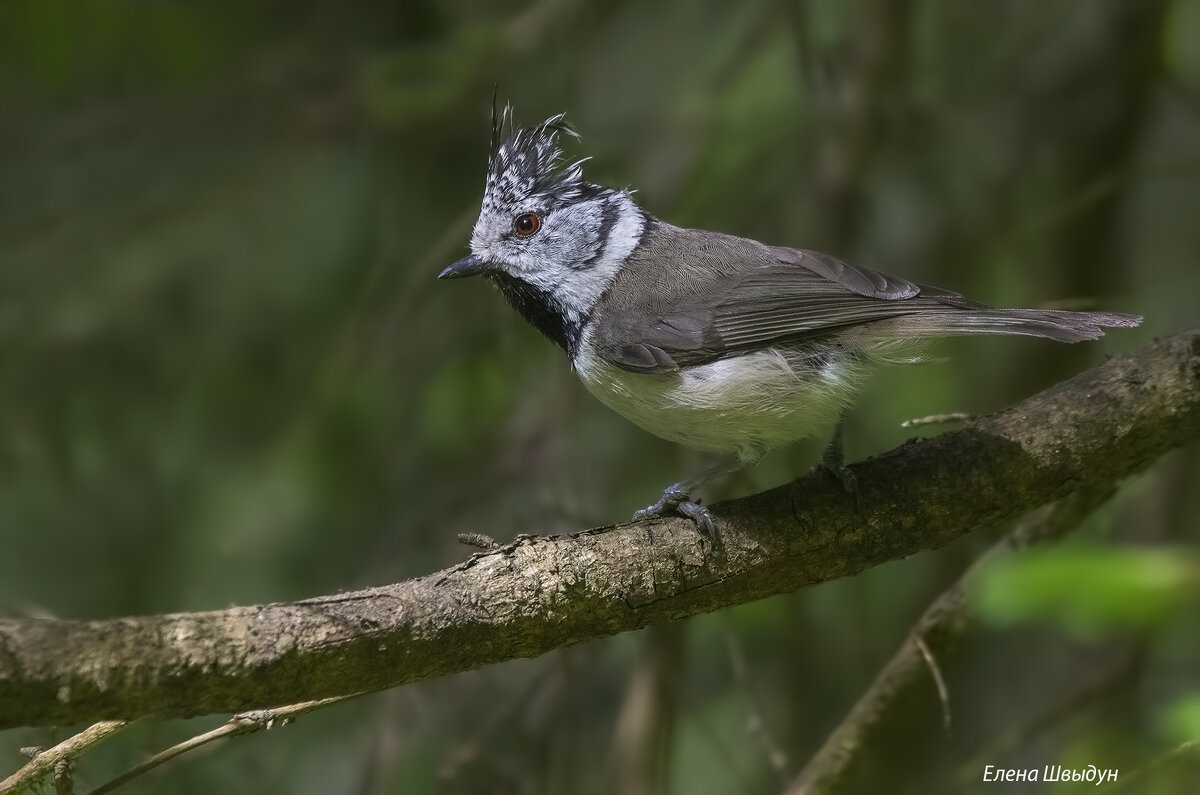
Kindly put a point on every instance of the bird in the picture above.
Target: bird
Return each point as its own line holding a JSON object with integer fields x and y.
{"x": 719, "y": 343}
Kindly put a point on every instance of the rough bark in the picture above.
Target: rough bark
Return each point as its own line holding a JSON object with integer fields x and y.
{"x": 536, "y": 594}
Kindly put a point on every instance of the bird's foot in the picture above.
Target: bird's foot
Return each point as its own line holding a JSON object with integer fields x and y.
{"x": 676, "y": 500}
{"x": 833, "y": 463}
{"x": 842, "y": 474}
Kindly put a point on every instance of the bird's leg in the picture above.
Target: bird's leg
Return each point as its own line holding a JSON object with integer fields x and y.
{"x": 676, "y": 499}
{"x": 833, "y": 460}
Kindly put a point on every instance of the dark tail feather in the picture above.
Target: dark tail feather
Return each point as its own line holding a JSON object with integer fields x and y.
{"x": 1055, "y": 324}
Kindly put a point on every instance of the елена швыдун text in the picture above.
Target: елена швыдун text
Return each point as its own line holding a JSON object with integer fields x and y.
{"x": 1091, "y": 773}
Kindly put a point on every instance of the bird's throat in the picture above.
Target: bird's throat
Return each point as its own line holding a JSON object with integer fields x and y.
{"x": 545, "y": 312}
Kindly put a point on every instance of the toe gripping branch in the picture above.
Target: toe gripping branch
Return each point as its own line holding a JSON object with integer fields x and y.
{"x": 833, "y": 462}
{"x": 676, "y": 500}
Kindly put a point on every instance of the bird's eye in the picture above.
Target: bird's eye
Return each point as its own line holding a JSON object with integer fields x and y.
{"x": 527, "y": 224}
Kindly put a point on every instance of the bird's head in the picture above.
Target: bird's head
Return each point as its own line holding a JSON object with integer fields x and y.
{"x": 543, "y": 225}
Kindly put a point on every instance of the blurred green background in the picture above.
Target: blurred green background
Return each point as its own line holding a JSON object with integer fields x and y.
{"x": 228, "y": 374}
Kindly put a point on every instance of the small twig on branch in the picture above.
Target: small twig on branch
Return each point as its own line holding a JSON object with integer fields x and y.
{"x": 478, "y": 540}
{"x": 936, "y": 673}
{"x": 936, "y": 419}
{"x": 246, "y": 723}
{"x": 941, "y": 627}
{"x": 45, "y": 762}
{"x": 536, "y": 594}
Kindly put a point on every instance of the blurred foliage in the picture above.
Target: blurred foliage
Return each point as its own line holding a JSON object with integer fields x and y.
{"x": 1180, "y": 722}
{"x": 228, "y": 375}
{"x": 1090, "y": 591}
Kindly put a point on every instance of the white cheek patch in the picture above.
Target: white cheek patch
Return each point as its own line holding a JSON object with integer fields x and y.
{"x": 583, "y": 285}
{"x": 574, "y": 258}
{"x": 624, "y": 236}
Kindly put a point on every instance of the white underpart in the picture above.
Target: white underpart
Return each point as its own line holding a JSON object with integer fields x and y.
{"x": 744, "y": 404}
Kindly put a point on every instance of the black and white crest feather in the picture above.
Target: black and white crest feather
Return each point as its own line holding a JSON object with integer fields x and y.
{"x": 525, "y": 169}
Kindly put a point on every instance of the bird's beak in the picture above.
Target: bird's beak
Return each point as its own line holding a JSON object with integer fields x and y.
{"x": 467, "y": 266}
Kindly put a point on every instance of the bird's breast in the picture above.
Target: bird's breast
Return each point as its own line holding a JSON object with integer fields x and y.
{"x": 745, "y": 404}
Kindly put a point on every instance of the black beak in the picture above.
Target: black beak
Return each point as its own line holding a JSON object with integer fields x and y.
{"x": 467, "y": 266}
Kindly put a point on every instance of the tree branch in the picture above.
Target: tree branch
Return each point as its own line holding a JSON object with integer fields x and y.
{"x": 246, "y": 723}
{"x": 536, "y": 594}
{"x": 45, "y": 762}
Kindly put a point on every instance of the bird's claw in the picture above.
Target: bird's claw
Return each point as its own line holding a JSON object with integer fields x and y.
{"x": 701, "y": 516}
{"x": 842, "y": 474}
{"x": 675, "y": 500}
{"x": 667, "y": 504}
{"x": 833, "y": 464}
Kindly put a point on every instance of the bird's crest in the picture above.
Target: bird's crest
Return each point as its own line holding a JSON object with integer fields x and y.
{"x": 524, "y": 167}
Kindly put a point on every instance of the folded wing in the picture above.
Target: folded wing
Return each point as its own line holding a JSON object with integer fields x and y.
{"x": 742, "y": 296}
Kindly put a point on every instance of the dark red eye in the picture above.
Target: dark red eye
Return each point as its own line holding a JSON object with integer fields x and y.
{"x": 527, "y": 224}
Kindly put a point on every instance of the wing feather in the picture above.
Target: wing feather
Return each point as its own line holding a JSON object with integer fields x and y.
{"x": 739, "y": 295}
